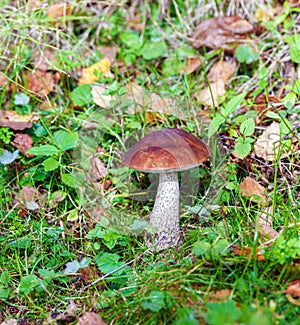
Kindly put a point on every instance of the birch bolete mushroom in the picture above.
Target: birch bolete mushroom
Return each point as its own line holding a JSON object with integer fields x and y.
{"x": 166, "y": 152}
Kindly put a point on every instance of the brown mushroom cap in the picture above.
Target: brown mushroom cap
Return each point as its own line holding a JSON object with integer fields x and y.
{"x": 166, "y": 150}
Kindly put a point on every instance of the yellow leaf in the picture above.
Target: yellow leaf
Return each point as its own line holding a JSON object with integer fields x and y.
{"x": 91, "y": 74}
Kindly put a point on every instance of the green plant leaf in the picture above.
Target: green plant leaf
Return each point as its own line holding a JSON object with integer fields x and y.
{"x": 130, "y": 38}
{"x": 5, "y": 278}
{"x": 247, "y": 127}
{"x": 289, "y": 100}
{"x": 294, "y": 44}
{"x": 233, "y": 104}
{"x": 69, "y": 180}
{"x": 108, "y": 262}
{"x": 214, "y": 125}
{"x": 82, "y": 95}
{"x": 185, "y": 316}
{"x": 242, "y": 148}
{"x": 296, "y": 87}
{"x": 45, "y": 150}
{"x": 65, "y": 140}
{"x": 156, "y": 301}
{"x": 28, "y": 284}
{"x": 201, "y": 247}
{"x": 245, "y": 53}
{"x": 225, "y": 312}
{"x": 221, "y": 247}
{"x": 154, "y": 50}
{"x": 50, "y": 164}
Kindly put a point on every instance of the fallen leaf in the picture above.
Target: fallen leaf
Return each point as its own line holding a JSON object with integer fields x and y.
{"x": 59, "y": 10}
{"x": 99, "y": 99}
{"x": 29, "y": 198}
{"x": 209, "y": 96}
{"x": 140, "y": 98}
{"x": 248, "y": 252}
{"x": 221, "y": 32}
{"x": 3, "y": 80}
{"x": 98, "y": 168}
{"x": 44, "y": 59}
{"x": 108, "y": 52}
{"x": 267, "y": 143}
{"x": 68, "y": 315}
{"x": 222, "y": 70}
{"x": 153, "y": 117}
{"x": 220, "y": 295}
{"x": 22, "y": 142}
{"x": 11, "y": 321}
{"x": 251, "y": 188}
{"x": 265, "y": 221}
{"x": 32, "y": 5}
{"x": 192, "y": 65}
{"x": 15, "y": 121}
{"x": 91, "y": 318}
{"x": 89, "y": 75}
{"x": 56, "y": 197}
{"x": 107, "y": 184}
{"x": 88, "y": 274}
{"x": 41, "y": 82}
{"x": 293, "y": 288}
{"x": 265, "y": 13}
{"x": 159, "y": 104}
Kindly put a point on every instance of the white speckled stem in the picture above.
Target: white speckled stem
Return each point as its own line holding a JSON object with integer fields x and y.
{"x": 165, "y": 214}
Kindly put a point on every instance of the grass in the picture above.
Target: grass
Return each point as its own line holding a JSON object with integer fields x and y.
{"x": 84, "y": 249}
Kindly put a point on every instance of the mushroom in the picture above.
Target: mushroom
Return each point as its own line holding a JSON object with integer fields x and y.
{"x": 166, "y": 152}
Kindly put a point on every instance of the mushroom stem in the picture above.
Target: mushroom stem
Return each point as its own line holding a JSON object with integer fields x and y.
{"x": 165, "y": 214}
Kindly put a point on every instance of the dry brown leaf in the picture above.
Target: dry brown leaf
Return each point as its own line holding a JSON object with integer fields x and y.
{"x": 44, "y": 60}
{"x": 88, "y": 274}
{"x": 3, "y": 80}
{"x": 221, "y": 32}
{"x": 69, "y": 314}
{"x": 266, "y": 145}
{"x": 29, "y": 194}
{"x": 58, "y": 10}
{"x": 192, "y": 65}
{"x": 32, "y": 5}
{"x": 99, "y": 99}
{"x": 109, "y": 52}
{"x": 220, "y": 295}
{"x": 251, "y": 188}
{"x": 91, "y": 318}
{"x": 248, "y": 252}
{"x": 91, "y": 74}
{"x": 98, "y": 168}
{"x": 222, "y": 70}
{"x": 140, "y": 98}
{"x": 22, "y": 142}
{"x": 42, "y": 82}
{"x": 264, "y": 13}
{"x": 27, "y": 199}
{"x": 152, "y": 117}
{"x": 15, "y": 121}
{"x": 149, "y": 101}
{"x": 209, "y": 96}
{"x": 265, "y": 221}
{"x": 293, "y": 288}
{"x": 11, "y": 321}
